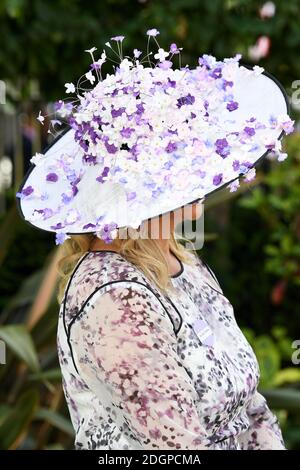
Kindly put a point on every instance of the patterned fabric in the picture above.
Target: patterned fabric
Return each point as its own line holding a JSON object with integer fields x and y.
{"x": 146, "y": 371}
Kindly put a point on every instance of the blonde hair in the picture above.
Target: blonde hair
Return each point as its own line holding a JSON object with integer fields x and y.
{"x": 145, "y": 254}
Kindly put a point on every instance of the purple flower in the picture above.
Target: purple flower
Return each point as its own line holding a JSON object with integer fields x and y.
{"x": 106, "y": 234}
{"x": 188, "y": 99}
{"x": 131, "y": 196}
{"x": 171, "y": 83}
{"x": 126, "y": 131}
{"x": 89, "y": 159}
{"x": 117, "y": 112}
{"x": 27, "y": 191}
{"x": 58, "y": 105}
{"x": 96, "y": 65}
{"x": 170, "y": 131}
{"x": 103, "y": 174}
{"x": 53, "y": 177}
{"x": 74, "y": 189}
{"x": 287, "y": 126}
{"x": 218, "y": 179}
{"x": 168, "y": 165}
{"x": 270, "y": 146}
{"x": 222, "y": 147}
{"x": 47, "y": 212}
{"x": 66, "y": 199}
{"x": 44, "y": 196}
{"x": 171, "y": 147}
{"x": 88, "y": 226}
{"x": 249, "y": 131}
{"x": 156, "y": 193}
{"x": 216, "y": 73}
{"x": 60, "y": 238}
{"x": 200, "y": 173}
{"x": 245, "y": 166}
{"x": 84, "y": 145}
{"x": 236, "y": 165}
{"x": 111, "y": 148}
{"x": 207, "y": 61}
{"x": 232, "y": 105}
{"x": 174, "y": 49}
{"x": 140, "y": 109}
{"x": 57, "y": 226}
{"x": 226, "y": 84}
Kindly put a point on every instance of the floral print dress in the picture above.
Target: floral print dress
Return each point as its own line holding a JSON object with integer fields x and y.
{"x": 142, "y": 370}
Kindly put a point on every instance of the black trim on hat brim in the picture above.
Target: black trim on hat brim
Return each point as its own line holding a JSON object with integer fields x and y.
{"x": 68, "y": 128}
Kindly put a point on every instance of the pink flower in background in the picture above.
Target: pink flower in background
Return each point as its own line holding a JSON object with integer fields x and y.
{"x": 260, "y": 49}
{"x": 268, "y": 10}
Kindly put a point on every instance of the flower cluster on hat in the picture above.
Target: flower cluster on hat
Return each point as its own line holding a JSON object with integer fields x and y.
{"x": 156, "y": 130}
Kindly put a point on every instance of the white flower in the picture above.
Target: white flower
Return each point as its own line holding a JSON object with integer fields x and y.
{"x": 90, "y": 51}
{"x": 72, "y": 216}
{"x": 90, "y": 77}
{"x": 37, "y": 158}
{"x": 245, "y": 71}
{"x": 152, "y": 32}
{"x": 161, "y": 55}
{"x": 282, "y": 156}
{"x": 229, "y": 71}
{"x": 35, "y": 216}
{"x": 136, "y": 53}
{"x": 234, "y": 185}
{"x": 41, "y": 118}
{"x": 258, "y": 70}
{"x": 70, "y": 88}
{"x": 125, "y": 65}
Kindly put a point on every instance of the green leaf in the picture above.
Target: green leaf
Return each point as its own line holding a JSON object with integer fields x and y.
{"x": 17, "y": 420}
{"x": 55, "y": 446}
{"x": 52, "y": 374}
{"x": 56, "y": 420}
{"x": 283, "y": 398}
{"x": 4, "y": 411}
{"x": 288, "y": 375}
{"x": 20, "y": 342}
{"x": 268, "y": 357}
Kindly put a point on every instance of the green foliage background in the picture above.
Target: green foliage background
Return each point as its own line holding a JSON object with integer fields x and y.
{"x": 252, "y": 237}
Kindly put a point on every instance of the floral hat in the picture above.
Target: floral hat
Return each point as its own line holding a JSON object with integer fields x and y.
{"x": 150, "y": 138}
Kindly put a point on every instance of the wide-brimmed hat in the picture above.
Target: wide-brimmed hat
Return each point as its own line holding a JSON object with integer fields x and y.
{"x": 150, "y": 138}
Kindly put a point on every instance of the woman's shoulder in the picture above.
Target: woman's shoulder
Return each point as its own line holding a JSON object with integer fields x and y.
{"x": 102, "y": 278}
{"x": 98, "y": 268}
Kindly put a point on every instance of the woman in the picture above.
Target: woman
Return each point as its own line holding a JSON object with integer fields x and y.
{"x": 144, "y": 369}
{"x": 150, "y": 351}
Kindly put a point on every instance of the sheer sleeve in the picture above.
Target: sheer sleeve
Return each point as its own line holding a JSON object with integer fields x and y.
{"x": 264, "y": 432}
{"x": 125, "y": 348}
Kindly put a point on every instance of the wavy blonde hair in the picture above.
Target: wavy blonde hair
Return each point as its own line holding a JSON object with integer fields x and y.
{"x": 146, "y": 254}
